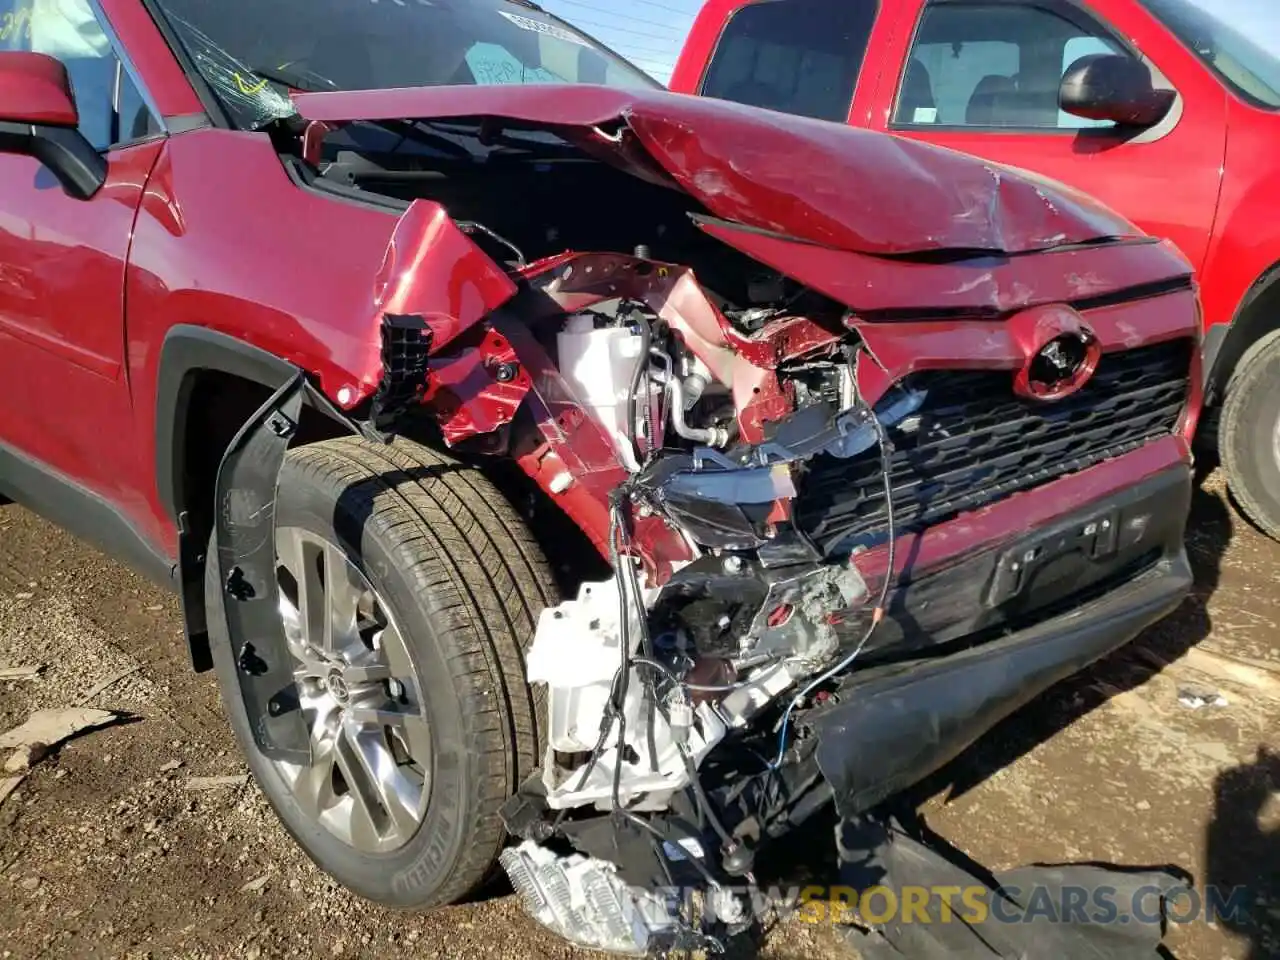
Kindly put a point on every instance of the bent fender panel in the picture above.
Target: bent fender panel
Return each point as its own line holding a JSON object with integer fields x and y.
{"x": 432, "y": 269}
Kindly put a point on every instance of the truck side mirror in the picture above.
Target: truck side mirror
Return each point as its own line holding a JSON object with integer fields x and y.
{"x": 38, "y": 118}
{"x": 1115, "y": 87}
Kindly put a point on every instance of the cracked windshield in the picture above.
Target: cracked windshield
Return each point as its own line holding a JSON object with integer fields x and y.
{"x": 251, "y": 53}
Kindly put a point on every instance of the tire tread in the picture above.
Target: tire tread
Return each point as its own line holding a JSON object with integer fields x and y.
{"x": 1248, "y": 383}
{"x": 485, "y": 599}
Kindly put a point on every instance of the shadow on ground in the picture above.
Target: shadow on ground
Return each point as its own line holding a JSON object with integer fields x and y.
{"x": 1243, "y": 852}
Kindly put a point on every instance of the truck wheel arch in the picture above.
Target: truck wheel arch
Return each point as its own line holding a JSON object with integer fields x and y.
{"x": 1257, "y": 315}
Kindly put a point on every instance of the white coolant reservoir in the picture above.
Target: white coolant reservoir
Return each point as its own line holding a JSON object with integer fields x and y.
{"x": 599, "y": 364}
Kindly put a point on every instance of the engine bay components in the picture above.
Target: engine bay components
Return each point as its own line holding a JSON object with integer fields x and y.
{"x": 577, "y": 652}
{"x": 599, "y": 358}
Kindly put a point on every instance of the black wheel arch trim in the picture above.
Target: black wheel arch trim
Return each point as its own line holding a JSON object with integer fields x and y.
{"x": 1211, "y": 349}
{"x": 1225, "y": 344}
{"x": 188, "y": 351}
{"x": 245, "y": 552}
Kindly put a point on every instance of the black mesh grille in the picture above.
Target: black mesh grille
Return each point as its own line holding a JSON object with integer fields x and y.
{"x": 978, "y": 442}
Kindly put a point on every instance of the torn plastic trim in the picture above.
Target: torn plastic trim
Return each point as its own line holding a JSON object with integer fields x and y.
{"x": 245, "y": 551}
{"x": 246, "y": 558}
{"x": 895, "y": 850}
{"x": 406, "y": 346}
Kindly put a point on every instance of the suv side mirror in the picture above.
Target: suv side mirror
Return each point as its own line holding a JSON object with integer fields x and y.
{"x": 38, "y": 118}
{"x": 1110, "y": 86}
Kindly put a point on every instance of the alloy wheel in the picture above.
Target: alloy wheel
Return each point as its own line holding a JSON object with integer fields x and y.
{"x": 370, "y": 774}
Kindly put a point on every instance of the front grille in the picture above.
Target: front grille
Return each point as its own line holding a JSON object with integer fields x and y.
{"x": 977, "y": 442}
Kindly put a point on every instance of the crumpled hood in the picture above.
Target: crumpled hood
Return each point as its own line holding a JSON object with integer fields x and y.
{"x": 823, "y": 183}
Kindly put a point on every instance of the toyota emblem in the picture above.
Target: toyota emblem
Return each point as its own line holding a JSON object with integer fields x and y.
{"x": 1061, "y": 354}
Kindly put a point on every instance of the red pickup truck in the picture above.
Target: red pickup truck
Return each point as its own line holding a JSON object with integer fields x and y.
{"x": 1166, "y": 110}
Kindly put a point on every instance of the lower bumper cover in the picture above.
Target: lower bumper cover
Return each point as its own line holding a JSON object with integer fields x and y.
{"x": 896, "y": 724}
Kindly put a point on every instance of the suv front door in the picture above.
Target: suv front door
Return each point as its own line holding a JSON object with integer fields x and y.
{"x": 982, "y": 76}
{"x": 65, "y": 412}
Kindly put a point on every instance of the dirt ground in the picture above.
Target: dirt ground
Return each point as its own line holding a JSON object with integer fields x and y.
{"x": 105, "y": 851}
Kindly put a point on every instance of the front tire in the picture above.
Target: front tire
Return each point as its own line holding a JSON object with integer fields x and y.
{"x": 410, "y": 590}
{"x": 1249, "y": 441}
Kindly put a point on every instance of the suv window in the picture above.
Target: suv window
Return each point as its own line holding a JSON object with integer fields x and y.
{"x": 991, "y": 66}
{"x": 111, "y": 107}
{"x": 797, "y": 56}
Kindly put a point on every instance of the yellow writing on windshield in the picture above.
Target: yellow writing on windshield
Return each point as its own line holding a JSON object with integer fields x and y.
{"x": 249, "y": 88}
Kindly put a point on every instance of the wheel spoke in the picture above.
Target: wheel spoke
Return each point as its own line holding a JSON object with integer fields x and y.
{"x": 416, "y": 736}
{"x": 367, "y": 715}
{"x": 382, "y": 781}
{"x": 313, "y": 787}
{"x": 362, "y": 830}
{"x": 299, "y": 555}
{"x": 342, "y": 592}
{"x": 294, "y": 633}
{"x": 361, "y": 698}
{"x": 361, "y": 780}
{"x": 391, "y": 646}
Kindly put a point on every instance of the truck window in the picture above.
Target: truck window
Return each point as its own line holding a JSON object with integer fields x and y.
{"x": 797, "y": 56}
{"x": 994, "y": 66}
{"x": 1238, "y": 40}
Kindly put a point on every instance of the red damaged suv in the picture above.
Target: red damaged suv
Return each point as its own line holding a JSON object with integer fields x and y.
{"x": 556, "y": 470}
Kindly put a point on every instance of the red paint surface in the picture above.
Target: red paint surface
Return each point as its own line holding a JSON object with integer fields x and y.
{"x": 430, "y": 269}
{"x": 63, "y": 269}
{"x": 1210, "y": 185}
{"x": 466, "y": 389}
{"x": 34, "y": 89}
{"x": 983, "y": 286}
{"x": 741, "y": 163}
